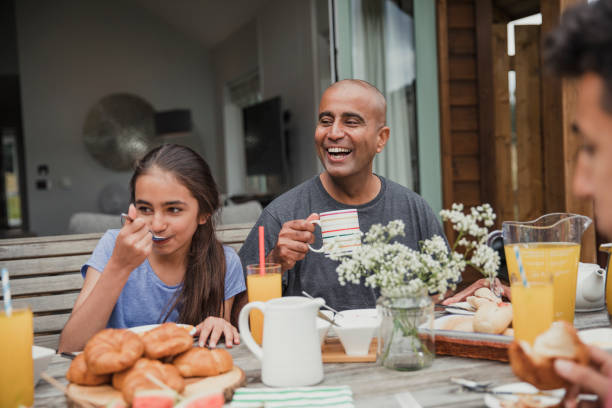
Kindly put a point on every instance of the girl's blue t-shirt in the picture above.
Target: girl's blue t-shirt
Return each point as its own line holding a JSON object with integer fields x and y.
{"x": 144, "y": 298}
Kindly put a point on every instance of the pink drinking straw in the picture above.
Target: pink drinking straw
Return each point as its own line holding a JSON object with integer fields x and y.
{"x": 262, "y": 257}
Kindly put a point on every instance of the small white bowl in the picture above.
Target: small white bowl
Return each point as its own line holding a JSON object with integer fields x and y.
{"x": 356, "y": 329}
{"x": 41, "y": 356}
{"x": 323, "y": 326}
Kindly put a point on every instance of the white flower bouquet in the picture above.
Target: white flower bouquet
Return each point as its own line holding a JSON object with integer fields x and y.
{"x": 405, "y": 277}
{"x": 391, "y": 265}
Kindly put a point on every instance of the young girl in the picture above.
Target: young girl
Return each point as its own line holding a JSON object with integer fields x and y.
{"x": 166, "y": 263}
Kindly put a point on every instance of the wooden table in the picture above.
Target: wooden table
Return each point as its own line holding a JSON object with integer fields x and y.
{"x": 372, "y": 385}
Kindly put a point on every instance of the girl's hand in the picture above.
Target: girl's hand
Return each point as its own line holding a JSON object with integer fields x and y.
{"x": 134, "y": 242}
{"x": 212, "y": 328}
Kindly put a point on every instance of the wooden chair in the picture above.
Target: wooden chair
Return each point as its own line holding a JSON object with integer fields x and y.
{"x": 45, "y": 274}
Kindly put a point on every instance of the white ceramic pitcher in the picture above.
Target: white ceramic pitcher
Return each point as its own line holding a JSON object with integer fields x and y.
{"x": 291, "y": 353}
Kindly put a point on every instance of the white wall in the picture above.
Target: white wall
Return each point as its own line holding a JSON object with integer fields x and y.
{"x": 278, "y": 42}
{"x": 286, "y": 67}
{"x": 71, "y": 54}
{"x": 233, "y": 58}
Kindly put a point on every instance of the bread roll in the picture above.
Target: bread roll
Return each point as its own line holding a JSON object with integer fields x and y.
{"x": 476, "y": 302}
{"x": 136, "y": 378}
{"x": 486, "y": 293}
{"x": 202, "y": 362}
{"x": 459, "y": 323}
{"x": 491, "y": 318}
{"x": 79, "y": 374}
{"x": 112, "y": 350}
{"x": 165, "y": 340}
{"x": 535, "y": 365}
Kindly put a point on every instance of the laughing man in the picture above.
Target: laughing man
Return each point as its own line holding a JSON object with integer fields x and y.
{"x": 350, "y": 132}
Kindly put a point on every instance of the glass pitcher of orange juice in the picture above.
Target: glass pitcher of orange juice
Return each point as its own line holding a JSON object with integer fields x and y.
{"x": 547, "y": 245}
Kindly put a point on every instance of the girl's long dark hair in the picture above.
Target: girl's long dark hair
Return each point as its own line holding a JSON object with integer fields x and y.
{"x": 203, "y": 291}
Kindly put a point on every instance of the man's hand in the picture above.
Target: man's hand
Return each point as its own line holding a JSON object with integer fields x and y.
{"x": 293, "y": 240}
{"x": 469, "y": 291}
{"x": 593, "y": 379}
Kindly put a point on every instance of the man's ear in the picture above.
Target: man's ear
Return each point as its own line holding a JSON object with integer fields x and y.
{"x": 382, "y": 138}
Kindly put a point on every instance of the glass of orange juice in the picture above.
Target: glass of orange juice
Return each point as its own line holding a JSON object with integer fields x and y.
{"x": 16, "y": 365}
{"x": 532, "y": 305}
{"x": 262, "y": 287}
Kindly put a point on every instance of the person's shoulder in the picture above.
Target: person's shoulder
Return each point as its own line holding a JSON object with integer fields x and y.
{"x": 231, "y": 257}
{"x": 230, "y": 253}
{"x": 109, "y": 237}
{"x": 399, "y": 193}
{"x": 397, "y": 189}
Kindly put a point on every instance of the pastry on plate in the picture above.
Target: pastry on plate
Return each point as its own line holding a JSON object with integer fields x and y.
{"x": 165, "y": 340}
{"x": 79, "y": 374}
{"x": 202, "y": 362}
{"x": 535, "y": 364}
{"x": 112, "y": 350}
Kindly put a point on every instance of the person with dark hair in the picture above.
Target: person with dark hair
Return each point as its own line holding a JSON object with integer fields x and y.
{"x": 581, "y": 48}
{"x": 165, "y": 263}
{"x": 350, "y": 132}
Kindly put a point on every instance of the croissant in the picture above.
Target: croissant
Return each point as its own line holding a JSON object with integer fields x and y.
{"x": 120, "y": 376}
{"x": 79, "y": 374}
{"x": 166, "y": 340}
{"x": 535, "y": 365}
{"x": 202, "y": 362}
{"x": 136, "y": 378}
{"x": 112, "y": 350}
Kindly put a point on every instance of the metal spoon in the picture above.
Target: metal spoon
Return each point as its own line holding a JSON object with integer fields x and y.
{"x": 327, "y": 319}
{"x": 331, "y": 309}
{"x": 124, "y": 217}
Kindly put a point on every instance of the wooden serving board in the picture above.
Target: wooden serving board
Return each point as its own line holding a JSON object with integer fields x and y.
{"x": 101, "y": 395}
{"x": 333, "y": 352}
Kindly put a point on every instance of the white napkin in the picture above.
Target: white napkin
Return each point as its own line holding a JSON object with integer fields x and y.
{"x": 340, "y": 396}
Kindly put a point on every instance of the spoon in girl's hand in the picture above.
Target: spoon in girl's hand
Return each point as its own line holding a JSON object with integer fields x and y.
{"x": 124, "y": 217}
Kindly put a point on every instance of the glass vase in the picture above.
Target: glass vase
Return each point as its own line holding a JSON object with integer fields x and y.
{"x": 406, "y": 339}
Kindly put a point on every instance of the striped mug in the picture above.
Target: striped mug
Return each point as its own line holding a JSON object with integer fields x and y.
{"x": 341, "y": 226}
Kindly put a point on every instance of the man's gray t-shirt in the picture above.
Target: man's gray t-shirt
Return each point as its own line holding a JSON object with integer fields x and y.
{"x": 316, "y": 274}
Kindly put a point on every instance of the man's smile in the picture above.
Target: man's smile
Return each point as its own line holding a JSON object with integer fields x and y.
{"x": 338, "y": 153}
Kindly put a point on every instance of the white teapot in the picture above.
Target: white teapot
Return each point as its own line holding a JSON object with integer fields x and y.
{"x": 590, "y": 287}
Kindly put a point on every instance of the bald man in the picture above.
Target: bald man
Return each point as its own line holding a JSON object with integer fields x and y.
{"x": 350, "y": 132}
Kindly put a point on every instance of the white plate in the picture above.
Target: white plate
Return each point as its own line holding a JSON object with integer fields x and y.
{"x": 461, "y": 308}
{"x": 440, "y": 325}
{"x": 146, "y": 328}
{"x": 601, "y": 337}
{"x": 494, "y": 401}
